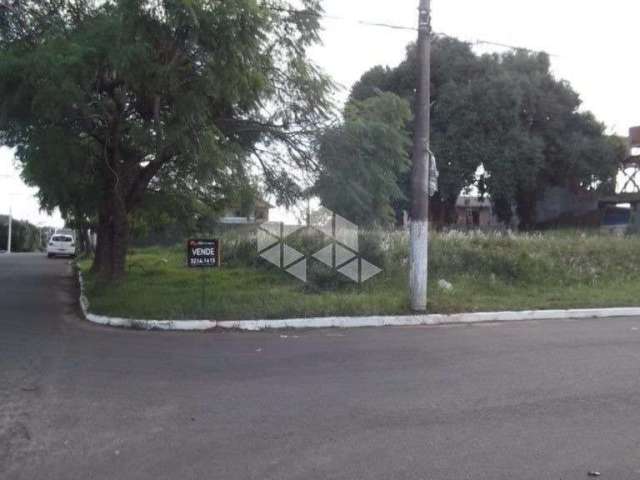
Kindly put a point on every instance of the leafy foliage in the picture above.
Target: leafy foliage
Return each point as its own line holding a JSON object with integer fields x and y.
{"x": 508, "y": 113}
{"x": 363, "y": 159}
{"x": 108, "y": 100}
{"x": 25, "y": 237}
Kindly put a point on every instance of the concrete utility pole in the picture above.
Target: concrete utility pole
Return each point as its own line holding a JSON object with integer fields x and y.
{"x": 9, "y": 230}
{"x": 10, "y": 218}
{"x": 419, "y": 228}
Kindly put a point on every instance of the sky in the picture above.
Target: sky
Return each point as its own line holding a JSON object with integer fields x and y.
{"x": 593, "y": 46}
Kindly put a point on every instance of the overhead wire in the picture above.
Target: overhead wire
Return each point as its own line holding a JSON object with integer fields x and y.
{"x": 393, "y": 26}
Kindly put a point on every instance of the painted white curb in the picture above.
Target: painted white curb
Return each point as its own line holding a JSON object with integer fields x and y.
{"x": 353, "y": 322}
{"x": 184, "y": 325}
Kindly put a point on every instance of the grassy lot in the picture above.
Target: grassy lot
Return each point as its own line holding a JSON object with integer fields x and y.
{"x": 488, "y": 272}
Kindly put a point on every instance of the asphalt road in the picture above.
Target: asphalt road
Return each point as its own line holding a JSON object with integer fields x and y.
{"x": 535, "y": 400}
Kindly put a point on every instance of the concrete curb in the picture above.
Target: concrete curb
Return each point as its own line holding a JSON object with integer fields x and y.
{"x": 352, "y": 322}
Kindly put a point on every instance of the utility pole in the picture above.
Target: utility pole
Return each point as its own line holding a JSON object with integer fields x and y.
{"x": 9, "y": 230}
{"x": 10, "y": 219}
{"x": 419, "y": 227}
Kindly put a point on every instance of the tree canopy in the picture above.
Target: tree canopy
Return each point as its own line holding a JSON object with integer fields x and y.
{"x": 106, "y": 101}
{"x": 509, "y": 114}
{"x": 25, "y": 237}
{"x": 362, "y": 159}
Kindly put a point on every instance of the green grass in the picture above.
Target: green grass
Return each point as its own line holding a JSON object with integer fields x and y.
{"x": 488, "y": 273}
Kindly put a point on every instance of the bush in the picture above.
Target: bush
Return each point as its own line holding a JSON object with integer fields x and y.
{"x": 566, "y": 258}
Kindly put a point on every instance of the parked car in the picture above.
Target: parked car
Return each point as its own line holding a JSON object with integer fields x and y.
{"x": 63, "y": 245}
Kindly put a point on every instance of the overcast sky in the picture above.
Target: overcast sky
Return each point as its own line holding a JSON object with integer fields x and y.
{"x": 592, "y": 43}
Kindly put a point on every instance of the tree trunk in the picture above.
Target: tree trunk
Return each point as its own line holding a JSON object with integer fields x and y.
{"x": 103, "y": 244}
{"x": 113, "y": 239}
{"x": 125, "y": 184}
{"x": 436, "y": 211}
{"x": 443, "y": 211}
{"x": 87, "y": 241}
{"x": 120, "y": 241}
{"x": 113, "y": 222}
{"x": 450, "y": 212}
{"x": 503, "y": 210}
{"x": 526, "y": 208}
{"x": 84, "y": 239}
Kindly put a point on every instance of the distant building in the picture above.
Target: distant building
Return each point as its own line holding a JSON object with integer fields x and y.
{"x": 259, "y": 214}
{"x": 620, "y": 213}
{"x": 565, "y": 206}
{"x": 475, "y": 211}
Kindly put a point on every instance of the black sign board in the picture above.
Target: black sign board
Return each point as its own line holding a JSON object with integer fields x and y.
{"x": 203, "y": 253}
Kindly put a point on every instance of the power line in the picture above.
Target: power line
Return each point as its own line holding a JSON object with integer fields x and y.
{"x": 475, "y": 42}
{"x": 371, "y": 24}
{"x": 501, "y": 45}
{"x": 392, "y": 26}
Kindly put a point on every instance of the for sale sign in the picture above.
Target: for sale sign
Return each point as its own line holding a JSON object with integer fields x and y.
{"x": 203, "y": 253}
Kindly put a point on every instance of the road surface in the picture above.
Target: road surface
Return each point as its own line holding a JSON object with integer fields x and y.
{"x": 534, "y": 400}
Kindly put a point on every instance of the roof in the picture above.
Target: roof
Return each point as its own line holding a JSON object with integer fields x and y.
{"x": 631, "y": 160}
{"x": 620, "y": 198}
{"x": 473, "y": 202}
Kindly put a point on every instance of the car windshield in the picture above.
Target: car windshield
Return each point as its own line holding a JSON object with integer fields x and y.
{"x": 61, "y": 238}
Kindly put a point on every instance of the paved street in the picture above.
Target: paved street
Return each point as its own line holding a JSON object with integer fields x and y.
{"x": 547, "y": 400}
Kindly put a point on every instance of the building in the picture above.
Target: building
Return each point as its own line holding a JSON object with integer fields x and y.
{"x": 620, "y": 213}
{"x": 475, "y": 211}
{"x": 259, "y": 214}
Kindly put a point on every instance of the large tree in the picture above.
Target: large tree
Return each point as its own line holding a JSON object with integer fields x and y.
{"x": 543, "y": 140}
{"x": 108, "y": 100}
{"x": 362, "y": 160}
{"x": 455, "y": 137}
{"x": 509, "y": 114}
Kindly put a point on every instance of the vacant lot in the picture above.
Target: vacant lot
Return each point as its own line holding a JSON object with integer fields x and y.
{"x": 487, "y": 272}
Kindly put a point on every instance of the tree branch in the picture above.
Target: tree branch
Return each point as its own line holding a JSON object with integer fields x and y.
{"x": 144, "y": 177}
